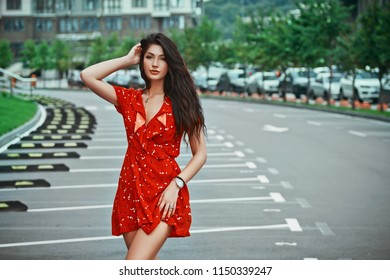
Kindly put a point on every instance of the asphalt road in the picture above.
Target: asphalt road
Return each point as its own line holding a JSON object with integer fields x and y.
{"x": 280, "y": 184}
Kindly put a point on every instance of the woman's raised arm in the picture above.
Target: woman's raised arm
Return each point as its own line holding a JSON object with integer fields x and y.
{"x": 93, "y": 75}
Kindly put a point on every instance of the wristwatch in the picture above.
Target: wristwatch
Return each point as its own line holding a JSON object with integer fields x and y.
{"x": 179, "y": 182}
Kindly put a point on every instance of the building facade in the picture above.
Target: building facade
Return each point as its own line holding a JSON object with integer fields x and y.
{"x": 80, "y": 20}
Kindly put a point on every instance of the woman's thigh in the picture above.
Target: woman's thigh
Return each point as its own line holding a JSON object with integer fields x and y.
{"x": 146, "y": 246}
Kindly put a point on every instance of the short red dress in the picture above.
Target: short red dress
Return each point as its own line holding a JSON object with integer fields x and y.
{"x": 148, "y": 168}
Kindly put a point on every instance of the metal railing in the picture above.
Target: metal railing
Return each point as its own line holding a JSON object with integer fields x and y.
{"x": 14, "y": 84}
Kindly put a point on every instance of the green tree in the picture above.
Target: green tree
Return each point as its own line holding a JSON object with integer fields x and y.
{"x": 28, "y": 54}
{"x": 373, "y": 49}
{"x": 43, "y": 59}
{"x": 61, "y": 56}
{"x": 97, "y": 51}
{"x": 202, "y": 44}
{"x": 6, "y": 54}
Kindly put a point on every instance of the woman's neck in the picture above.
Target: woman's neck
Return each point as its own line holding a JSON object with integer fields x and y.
{"x": 156, "y": 88}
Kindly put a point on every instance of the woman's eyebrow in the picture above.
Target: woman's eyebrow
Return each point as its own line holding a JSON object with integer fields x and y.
{"x": 150, "y": 53}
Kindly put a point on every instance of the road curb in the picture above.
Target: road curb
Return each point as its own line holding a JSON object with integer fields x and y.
{"x": 17, "y": 133}
{"x": 301, "y": 106}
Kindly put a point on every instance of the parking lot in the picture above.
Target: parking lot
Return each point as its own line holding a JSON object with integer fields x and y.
{"x": 251, "y": 200}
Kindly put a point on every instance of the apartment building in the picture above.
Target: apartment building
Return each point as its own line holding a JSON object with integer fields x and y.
{"x": 80, "y": 20}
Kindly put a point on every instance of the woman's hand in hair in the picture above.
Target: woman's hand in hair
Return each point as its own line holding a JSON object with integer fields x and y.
{"x": 134, "y": 54}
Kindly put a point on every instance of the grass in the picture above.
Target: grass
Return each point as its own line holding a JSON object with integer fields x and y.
{"x": 14, "y": 112}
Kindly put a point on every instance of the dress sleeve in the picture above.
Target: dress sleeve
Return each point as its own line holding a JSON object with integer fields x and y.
{"x": 121, "y": 94}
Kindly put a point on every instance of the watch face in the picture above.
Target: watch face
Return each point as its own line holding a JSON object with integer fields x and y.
{"x": 179, "y": 183}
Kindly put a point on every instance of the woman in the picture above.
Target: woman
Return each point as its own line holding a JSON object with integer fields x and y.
{"x": 152, "y": 199}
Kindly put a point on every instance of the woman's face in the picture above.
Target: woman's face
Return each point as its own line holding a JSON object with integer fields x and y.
{"x": 155, "y": 65}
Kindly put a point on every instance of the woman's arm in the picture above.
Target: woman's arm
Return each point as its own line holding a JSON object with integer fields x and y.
{"x": 199, "y": 157}
{"x": 93, "y": 75}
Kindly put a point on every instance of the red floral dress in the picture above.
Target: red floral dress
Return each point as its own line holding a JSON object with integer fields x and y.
{"x": 148, "y": 168}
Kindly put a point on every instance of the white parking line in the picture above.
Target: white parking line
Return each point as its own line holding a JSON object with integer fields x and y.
{"x": 293, "y": 225}
{"x": 357, "y": 133}
{"x": 215, "y": 200}
{"x": 101, "y": 238}
{"x": 263, "y": 179}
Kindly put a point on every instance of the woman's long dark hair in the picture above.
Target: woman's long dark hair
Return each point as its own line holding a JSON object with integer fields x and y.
{"x": 178, "y": 85}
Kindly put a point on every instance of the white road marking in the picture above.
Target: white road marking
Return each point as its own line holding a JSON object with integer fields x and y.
{"x": 91, "y": 108}
{"x": 325, "y": 229}
{"x": 216, "y": 200}
{"x": 314, "y": 123}
{"x": 273, "y": 171}
{"x": 293, "y": 225}
{"x": 102, "y": 238}
{"x": 263, "y": 179}
{"x": 280, "y": 116}
{"x": 251, "y": 165}
{"x": 238, "y": 154}
{"x": 272, "y": 128}
{"x": 277, "y": 197}
{"x": 303, "y": 203}
{"x": 272, "y": 210}
{"x": 249, "y": 110}
{"x": 262, "y": 160}
{"x": 286, "y": 185}
{"x": 249, "y": 151}
{"x": 286, "y": 243}
{"x": 357, "y": 133}
{"x": 240, "y": 143}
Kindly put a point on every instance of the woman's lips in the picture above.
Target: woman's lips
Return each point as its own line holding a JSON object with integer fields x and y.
{"x": 154, "y": 72}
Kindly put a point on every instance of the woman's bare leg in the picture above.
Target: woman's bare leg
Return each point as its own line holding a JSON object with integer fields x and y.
{"x": 128, "y": 237}
{"x": 146, "y": 247}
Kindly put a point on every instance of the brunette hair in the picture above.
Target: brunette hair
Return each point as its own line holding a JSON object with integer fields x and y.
{"x": 178, "y": 85}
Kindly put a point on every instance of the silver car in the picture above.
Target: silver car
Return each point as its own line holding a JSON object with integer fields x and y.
{"x": 322, "y": 84}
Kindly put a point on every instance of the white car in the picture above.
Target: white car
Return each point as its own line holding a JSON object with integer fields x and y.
{"x": 320, "y": 86}
{"x": 366, "y": 86}
{"x": 262, "y": 82}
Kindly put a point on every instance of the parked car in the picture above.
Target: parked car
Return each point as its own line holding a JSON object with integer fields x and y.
{"x": 205, "y": 83}
{"x": 74, "y": 79}
{"x": 366, "y": 86}
{"x": 232, "y": 81}
{"x": 262, "y": 82}
{"x": 296, "y": 81}
{"x": 136, "y": 80}
{"x": 320, "y": 86}
{"x": 127, "y": 79}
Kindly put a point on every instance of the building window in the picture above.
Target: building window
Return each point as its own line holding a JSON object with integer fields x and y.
{"x": 14, "y": 4}
{"x": 174, "y": 22}
{"x": 161, "y": 5}
{"x": 89, "y": 24}
{"x": 69, "y": 25}
{"x": 63, "y": 6}
{"x": 139, "y": 3}
{"x": 90, "y": 5}
{"x": 113, "y": 23}
{"x": 43, "y": 25}
{"x": 14, "y": 24}
{"x": 177, "y": 3}
{"x": 140, "y": 22}
{"x": 112, "y": 6}
{"x": 43, "y": 6}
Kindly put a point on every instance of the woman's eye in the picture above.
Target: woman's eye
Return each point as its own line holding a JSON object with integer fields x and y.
{"x": 148, "y": 57}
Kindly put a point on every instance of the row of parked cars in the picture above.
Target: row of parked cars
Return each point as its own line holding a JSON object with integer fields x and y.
{"x": 295, "y": 81}
{"x": 125, "y": 78}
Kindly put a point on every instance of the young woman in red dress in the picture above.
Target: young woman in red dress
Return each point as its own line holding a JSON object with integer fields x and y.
{"x": 152, "y": 199}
